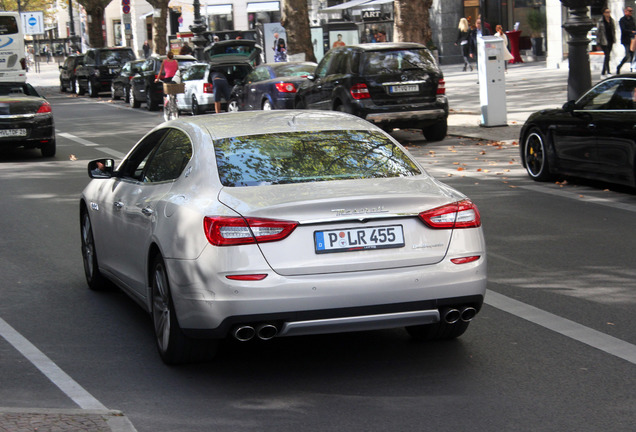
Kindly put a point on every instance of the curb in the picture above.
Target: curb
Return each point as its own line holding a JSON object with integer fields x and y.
{"x": 63, "y": 420}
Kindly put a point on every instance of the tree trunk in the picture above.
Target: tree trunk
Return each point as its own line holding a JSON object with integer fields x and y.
{"x": 295, "y": 19}
{"x": 95, "y": 31}
{"x": 412, "y": 21}
{"x": 160, "y": 26}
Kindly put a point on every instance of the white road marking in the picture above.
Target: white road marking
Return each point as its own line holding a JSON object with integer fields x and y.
{"x": 57, "y": 376}
{"x": 578, "y": 332}
{"x": 82, "y": 141}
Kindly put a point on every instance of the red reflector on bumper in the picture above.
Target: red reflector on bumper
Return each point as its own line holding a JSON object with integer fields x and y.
{"x": 248, "y": 277}
{"x": 465, "y": 260}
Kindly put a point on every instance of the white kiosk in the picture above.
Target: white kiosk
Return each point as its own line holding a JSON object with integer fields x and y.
{"x": 492, "y": 81}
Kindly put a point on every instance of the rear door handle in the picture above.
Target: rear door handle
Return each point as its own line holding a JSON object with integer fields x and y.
{"x": 118, "y": 205}
{"x": 147, "y": 211}
{"x": 591, "y": 126}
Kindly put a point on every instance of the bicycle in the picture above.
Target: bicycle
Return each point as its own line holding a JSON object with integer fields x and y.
{"x": 170, "y": 109}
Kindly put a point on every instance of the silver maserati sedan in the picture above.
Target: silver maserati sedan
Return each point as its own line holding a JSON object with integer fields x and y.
{"x": 266, "y": 224}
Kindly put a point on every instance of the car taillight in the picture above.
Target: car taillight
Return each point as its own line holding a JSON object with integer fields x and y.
{"x": 441, "y": 87}
{"x": 208, "y": 88}
{"x": 461, "y": 214}
{"x": 360, "y": 91}
{"x": 286, "y": 87}
{"x": 229, "y": 231}
{"x": 44, "y": 108}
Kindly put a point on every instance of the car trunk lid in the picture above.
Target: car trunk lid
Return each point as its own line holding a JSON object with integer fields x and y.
{"x": 348, "y": 225}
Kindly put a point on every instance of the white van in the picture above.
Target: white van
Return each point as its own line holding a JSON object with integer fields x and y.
{"x": 12, "y": 54}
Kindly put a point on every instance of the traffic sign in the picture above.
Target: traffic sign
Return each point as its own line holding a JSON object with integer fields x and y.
{"x": 32, "y": 23}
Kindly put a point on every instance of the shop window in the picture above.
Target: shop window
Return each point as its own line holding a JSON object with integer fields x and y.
{"x": 220, "y": 17}
{"x": 263, "y": 13}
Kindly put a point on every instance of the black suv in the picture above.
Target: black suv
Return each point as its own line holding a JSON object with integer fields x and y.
{"x": 144, "y": 89}
{"x": 67, "y": 72}
{"x": 98, "y": 68}
{"x": 394, "y": 85}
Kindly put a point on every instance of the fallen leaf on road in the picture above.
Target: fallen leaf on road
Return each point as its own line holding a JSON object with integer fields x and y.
{"x": 72, "y": 157}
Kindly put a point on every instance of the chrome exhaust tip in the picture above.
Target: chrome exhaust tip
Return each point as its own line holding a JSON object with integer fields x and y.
{"x": 266, "y": 331}
{"x": 451, "y": 316}
{"x": 468, "y": 313}
{"x": 244, "y": 333}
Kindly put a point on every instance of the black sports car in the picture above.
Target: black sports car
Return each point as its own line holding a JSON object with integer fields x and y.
{"x": 593, "y": 137}
{"x": 26, "y": 119}
{"x": 270, "y": 86}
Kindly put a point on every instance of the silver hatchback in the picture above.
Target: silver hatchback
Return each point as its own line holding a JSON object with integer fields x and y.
{"x": 266, "y": 224}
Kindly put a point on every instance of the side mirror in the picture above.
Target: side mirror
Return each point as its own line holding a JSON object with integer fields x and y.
{"x": 569, "y": 106}
{"x": 101, "y": 168}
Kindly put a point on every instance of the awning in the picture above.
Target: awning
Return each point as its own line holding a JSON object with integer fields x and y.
{"x": 146, "y": 15}
{"x": 263, "y": 7}
{"x": 225, "y": 9}
{"x": 345, "y": 5}
{"x": 377, "y": 2}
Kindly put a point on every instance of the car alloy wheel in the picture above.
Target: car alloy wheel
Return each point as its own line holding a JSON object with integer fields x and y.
{"x": 535, "y": 156}
{"x": 267, "y": 105}
{"x": 94, "y": 279}
{"x": 232, "y": 106}
{"x": 134, "y": 103}
{"x": 91, "y": 89}
{"x": 113, "y": 92}
{"x": 78, "y": 88}
{"x": 173, "y": 345}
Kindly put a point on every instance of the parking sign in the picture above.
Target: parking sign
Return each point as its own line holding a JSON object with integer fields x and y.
{"x": 32, "y": 23}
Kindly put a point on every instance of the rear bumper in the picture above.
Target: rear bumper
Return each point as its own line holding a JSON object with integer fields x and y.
{"x": 323, "y": 303}
{"x": 406, "y": 116}
{"x": 40, "y": 131}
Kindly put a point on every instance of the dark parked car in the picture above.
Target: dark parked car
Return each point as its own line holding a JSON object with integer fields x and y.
{"x": 393, "y": 85}
{"x": 98, "y": 68}
{"x": 67, "y": 72}
{"x": 144, "y": 89}
{"x": 120, "y": 87}
{"x": 593, "y": 137}
{"x": 270, "y": 86}
{"x": 26, "y": 119}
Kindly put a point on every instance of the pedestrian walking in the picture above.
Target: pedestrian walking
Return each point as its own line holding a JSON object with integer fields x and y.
{"x": 476, "y": 34}
{"x": 463, "y": 41}
{"x": 501, "y": 35}
{"x": 146, "y": 49}
{"x": 628, "y": 28}
{"x": 605, "y": 36}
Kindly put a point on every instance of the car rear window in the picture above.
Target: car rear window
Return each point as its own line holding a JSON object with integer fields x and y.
{"x": 290, "y": 70}
{"x": 301, "y": 157}
{"x": 116, "y": 56}
{"x": 392, "y": 61}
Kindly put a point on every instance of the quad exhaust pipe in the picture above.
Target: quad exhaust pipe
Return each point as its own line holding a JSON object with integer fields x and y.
{"x": 264, "y": 332}
{"x": 465, "y": 314}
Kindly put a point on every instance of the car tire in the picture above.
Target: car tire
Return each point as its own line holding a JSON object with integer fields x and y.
{"x": 78, "y": 88}
{"x": 48, "y": 149}
{"x": 94, "y": 278}
{"x": 71, "y": 86}
{"x": 113, "y": 92}
{"x": 436, "y": 132}
{"x": 92, "y": 90}
{"x": 132, "y": 101}
{"x": 62, "y": 87}
{"x": 536, "y": 156}
{"x": 267, "y": 105}
{"x": 126, "y": 95}
{"x": 438, "y": 331}
{"x": 150, "y": 103}
{"x": 233, "y": 106}
{"x": 195, "y": 106}
{"x": 173, "y": 345}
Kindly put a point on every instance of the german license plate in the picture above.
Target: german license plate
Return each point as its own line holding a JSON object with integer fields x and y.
{"x": 13, "y": 132}
{"x": 406, "y": 88}
{"x": 353, "y": 239}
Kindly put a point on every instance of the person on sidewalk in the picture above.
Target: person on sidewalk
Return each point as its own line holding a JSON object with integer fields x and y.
{"x": 476, "y": 34}
{"x": 463, "y": 41}
{"x": 501, "y": 35}
{"x": 606, "y": 29}
{"x": 628, "y": 28}
{"x": 146, "y": 49}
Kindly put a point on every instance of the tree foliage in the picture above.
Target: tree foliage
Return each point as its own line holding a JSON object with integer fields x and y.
{"x": 412, "y": 21}
{"x": 28, "y": 6}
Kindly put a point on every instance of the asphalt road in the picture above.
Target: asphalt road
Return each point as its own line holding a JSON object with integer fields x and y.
{"x": 553, "y": 349}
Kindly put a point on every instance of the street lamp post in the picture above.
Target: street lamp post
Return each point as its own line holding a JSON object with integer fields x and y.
{"x": 197, "y": 29}
{"x": 578, "y": 25}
